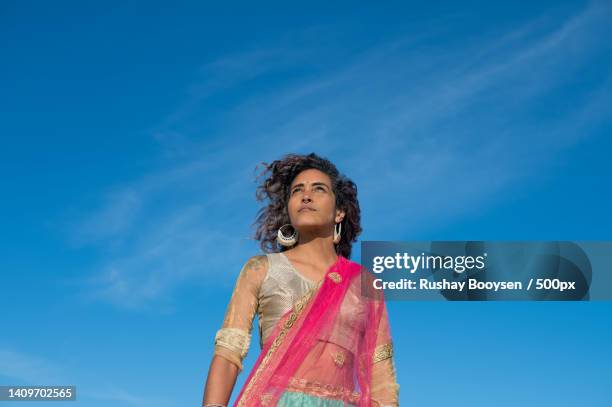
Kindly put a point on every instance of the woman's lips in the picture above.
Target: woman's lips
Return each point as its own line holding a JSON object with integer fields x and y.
{"x": 306, "y": 209}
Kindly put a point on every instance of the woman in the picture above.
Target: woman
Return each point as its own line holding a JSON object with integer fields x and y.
{"x": 323, "y": 330}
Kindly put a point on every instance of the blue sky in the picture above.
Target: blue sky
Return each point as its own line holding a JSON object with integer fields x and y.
{"x": 130, "y": 133}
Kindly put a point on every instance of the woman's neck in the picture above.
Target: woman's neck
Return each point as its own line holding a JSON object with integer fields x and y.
{"x": 318, "y": 251}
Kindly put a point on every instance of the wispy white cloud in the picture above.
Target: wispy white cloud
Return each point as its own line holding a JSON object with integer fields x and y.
{"x": 21, "y": 368}
{"x": 427, "y": 134}
{"x": 123, "y": 397}
{"x": 28, "y": 369}
{"x": 176, "y": 250}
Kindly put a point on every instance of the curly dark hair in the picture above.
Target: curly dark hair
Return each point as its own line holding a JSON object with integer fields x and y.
{"x": 275, "y": 188}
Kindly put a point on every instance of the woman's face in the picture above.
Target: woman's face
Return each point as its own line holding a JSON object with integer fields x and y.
{"x": 312, "y": 202}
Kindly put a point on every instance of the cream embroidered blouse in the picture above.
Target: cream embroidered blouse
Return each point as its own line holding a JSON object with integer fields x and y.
{"x": 269, "y": 285}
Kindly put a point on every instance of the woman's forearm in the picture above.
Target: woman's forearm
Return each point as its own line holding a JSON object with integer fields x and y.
{"x": 220, "y": 382}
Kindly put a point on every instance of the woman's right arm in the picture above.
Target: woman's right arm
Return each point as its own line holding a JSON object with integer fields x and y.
{"x": 233, "y": 339}
{"x": 222, "y": 376}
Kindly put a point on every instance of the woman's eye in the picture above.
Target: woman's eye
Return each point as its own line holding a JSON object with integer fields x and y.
{"x": 317, "y": 188}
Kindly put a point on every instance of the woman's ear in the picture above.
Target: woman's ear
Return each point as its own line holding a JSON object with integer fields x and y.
{"x": 340, "y": 214}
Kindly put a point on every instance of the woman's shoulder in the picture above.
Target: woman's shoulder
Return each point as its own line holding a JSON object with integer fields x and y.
{"x": 255, "y": 268}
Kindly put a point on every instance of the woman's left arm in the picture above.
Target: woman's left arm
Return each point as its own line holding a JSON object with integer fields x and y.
{"x": 385, "y": 389}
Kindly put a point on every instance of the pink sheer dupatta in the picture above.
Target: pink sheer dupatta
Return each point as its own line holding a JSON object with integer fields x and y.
{"x": 324, "y": 346}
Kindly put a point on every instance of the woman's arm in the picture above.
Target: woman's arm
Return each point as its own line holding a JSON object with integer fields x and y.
{"x": 385, "y": 390}
{"x": 222, "y": 376}
{"x": 233, "y": 339}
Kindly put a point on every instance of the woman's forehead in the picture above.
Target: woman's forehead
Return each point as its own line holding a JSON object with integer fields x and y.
{"x": 310, "y": 176}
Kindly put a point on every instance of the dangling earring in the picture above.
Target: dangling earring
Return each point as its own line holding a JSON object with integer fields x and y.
{"x": 284, "y": 240}
{"x": 337, "y": 232}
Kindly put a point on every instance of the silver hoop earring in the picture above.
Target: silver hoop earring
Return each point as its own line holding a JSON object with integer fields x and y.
{"x": 337, "y": 232}
{"x": 286, "y": 241}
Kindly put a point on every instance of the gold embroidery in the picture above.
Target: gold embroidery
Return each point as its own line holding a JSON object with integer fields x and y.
{"x": 235, "y": 339}
{"x": 382, "y": 352}
{"x": 265, "y": 399}
{"x": 335, "y": 277}
{"x": 377, "y": 403}
{"x": 297, "y": 310}
{"x": 339, "y": 358}
{"x": 318, "y": 389}
{"x": 394, "y": 387}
